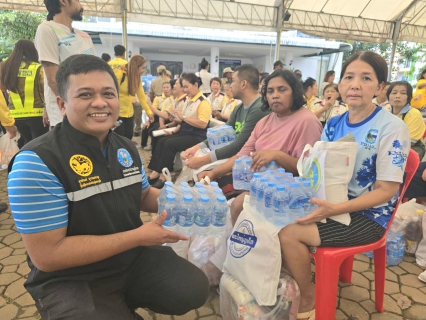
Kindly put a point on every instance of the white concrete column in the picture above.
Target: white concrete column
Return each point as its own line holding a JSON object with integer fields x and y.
{"x": 132, "y": 48}
{"x": 287, "y": 59}
{"x": 214, "y": 61}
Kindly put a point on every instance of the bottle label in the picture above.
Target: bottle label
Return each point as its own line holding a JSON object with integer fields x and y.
{"x": 185, "y": 222}
{"x": 202, "y": 221}
{"x": 242, "y": 240}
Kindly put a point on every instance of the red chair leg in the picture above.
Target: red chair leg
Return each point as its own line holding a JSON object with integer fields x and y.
{"x": 346, "y": 270}
{"x": 326, "y": 283}
{"x": 379, "y": 276}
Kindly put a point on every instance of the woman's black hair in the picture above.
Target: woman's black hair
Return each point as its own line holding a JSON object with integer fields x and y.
{"x": 378, "y": 64}
{"x": 204, "y": 63}
{"x": 407, "y": 86}
{"x": 421, "y": 74}
{"x": 172, "y": 83}
{"x": 192, "y": 79}
{"x": 293, "y": 82}
{"x": 308, "y": 83}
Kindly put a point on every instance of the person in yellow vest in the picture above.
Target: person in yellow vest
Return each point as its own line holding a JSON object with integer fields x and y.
{"x": 216, "y": 97}
{"x": 310, "y": 87}
{"x": 193, "y": 120}
{"x": 157, "y": 85}
{"x": 22, "y": 76}
{"x": 120, "y": 55}
{"x": 229, "y": 104}
{"x": 6, "y": 119}
{"x": 130, "y": 82}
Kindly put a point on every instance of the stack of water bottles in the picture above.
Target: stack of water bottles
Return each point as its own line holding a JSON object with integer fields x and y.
{"x": 201, "y": 210}
{"x": 395, "y": 248}
{"x": 274, "y": 193}
{"x": 220, "y": 136}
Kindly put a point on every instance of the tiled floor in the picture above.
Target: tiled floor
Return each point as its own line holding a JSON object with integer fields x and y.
{"x": 405, "y": 295}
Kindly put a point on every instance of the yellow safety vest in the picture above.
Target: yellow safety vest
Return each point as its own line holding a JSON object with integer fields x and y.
{"x": 26, "y": 108}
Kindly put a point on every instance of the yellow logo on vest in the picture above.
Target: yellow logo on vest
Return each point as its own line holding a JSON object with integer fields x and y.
{"x": 81, "y": 165}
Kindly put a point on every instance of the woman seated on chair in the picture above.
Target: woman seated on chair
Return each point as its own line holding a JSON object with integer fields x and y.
{"x": 281, "y": 135}
{"x": 399, "y": 95}
{"x": 193, "y": 120}
{"x": 384, "y": 143}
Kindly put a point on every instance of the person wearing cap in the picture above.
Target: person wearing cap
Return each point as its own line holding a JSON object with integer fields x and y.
{"x": 278, "y": 65}
{"x": 157, "y": 85}
{"x": 226, "y": 76}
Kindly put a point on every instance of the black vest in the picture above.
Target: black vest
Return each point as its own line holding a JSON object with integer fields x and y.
{"x": 103, "y": 197}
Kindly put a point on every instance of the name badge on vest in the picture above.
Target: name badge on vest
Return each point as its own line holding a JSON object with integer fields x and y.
{"x": 125, "y": 159}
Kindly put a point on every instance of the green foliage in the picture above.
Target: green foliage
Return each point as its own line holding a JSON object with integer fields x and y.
{"x": 17, "y": 25}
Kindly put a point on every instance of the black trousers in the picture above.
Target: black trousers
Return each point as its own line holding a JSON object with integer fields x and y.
{"x": 30, "y": 128}
{"x": 417, "y": 187}
{"x": 147, "y": 132}
{"x": 158, "y": 280}
{"x": 167, "y": 147}
{"x": 126, "y": 128}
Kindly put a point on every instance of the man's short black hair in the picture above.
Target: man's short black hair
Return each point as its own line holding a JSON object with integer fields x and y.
{"x": 249, "y": 73}
{"x": 119, "y": 50}
{"x": 278, "y": 63}
{"x": 106, "y": 57}
{"x": 78, "y": 64}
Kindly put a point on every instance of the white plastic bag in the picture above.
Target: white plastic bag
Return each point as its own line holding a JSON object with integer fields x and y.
{"x": 8, "y": 148}
{"x": 207, "y": 167}
{"x": 237, "y": 303}
{"x": 180, "y": 247}
{"x": 200, "y": 250}
{"x": 330, "y": 165}
{"x": 254, "y": 255}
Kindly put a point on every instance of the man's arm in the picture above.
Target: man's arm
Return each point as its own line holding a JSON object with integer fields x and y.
{"x": 149, "y": 198}
{"x": 50, "y": 69}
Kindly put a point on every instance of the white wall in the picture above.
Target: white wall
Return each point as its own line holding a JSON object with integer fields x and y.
{"x": 308, "y": 66}
{"x": 190, "y": 63}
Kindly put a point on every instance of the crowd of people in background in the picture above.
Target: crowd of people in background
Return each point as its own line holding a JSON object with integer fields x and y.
{"x": 273, "y": 115}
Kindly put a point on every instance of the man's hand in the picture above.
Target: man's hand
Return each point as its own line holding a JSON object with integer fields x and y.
{"x": 12, "y": 130}
{"x": 209, "y": 174}
{"x": 151, "y": 118}
{"x": 189, "y": 153}
{"x": 261, "y": 158}
{"x": 216, "y": 114}
{"x": 153, "y": 233}
{"x": 46, "y": 121}
{"x": 146, "y": 125}
{"x": 324, "y": 210}
{"x": 197, "y": 162}
{"x": 178, "y": 114}
{"x": 167, "y": 132}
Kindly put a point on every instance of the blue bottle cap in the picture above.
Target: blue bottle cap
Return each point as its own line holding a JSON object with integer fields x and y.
{"x": 168, "y": 184}
{"x": 271, "y": 184}
{"x": 272, "y": 162}
{"x": 202, "y": 190}
{"x": 294, "y": 184}
{"x": 289, "y": 174}
{"x": 184, "y": 184}
{"x": 306, "y": 184}
{"x": 257, "y": 175}
{"x": 214, "y": 184}
{"x": 187, "y": 198}
{"x": 238, "y": 161}
{"x": 264, "y": 180}
{"x": 248, "y": 161}
{"x": 186, "y": 190}
{"x": 269, "y": 171}
{"x": 171, "y": 197}
{"x": 205, "y": 199}
{"x": 281, "y": 188}
{"x": 281, "y": 170}
{"x": 199, "y": 185}
{"x": 277, "y": 177}
{"x": 221, "y": 199}
{"x": 217, "y": 190}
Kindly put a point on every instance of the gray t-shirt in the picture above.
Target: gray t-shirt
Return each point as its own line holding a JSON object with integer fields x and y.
{"x": 243, "y": 120}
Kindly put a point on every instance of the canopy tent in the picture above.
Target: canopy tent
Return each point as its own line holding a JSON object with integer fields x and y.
{"x": 364, "y": 20}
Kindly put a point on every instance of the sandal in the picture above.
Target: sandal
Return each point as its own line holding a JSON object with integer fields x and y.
{"x": 310, "y": 315}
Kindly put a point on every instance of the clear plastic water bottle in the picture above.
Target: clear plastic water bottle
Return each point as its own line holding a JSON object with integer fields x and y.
{"x": 309, "y": 193}
{"x": 223, "y": 136}
{"x": 247, "y": 174}
{"x": 214, "y": 184}
{"x": 281, "y": 210}
{"x": 231, "y": 134}
{"x": 392, "y": 253}
{"x": 184, "y": 184}
{"x": 237, "y": 173}
{"x": 161, "y": 200}
{"x": 202, "y": 217}
{"x": 272, "y": 165}
{"x": 401, "y": 247}
{"x": 210, "y": 137}
{"x": 269, "y": 200}
{"x": 253, "y": 188}
{"x": 218, "y": 217}
{"x": 186, "y": 215}
{"x": 171, "y": 207}
{"x": 296, "y": 201}
{"x": 260, "y": 195}
{"x": 199, "y": 185}
{"x": 201, "y": 192}
{"x": 217, "y": 192}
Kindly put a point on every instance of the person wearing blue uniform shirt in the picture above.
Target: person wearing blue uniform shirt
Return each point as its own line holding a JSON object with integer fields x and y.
{"x": 76, "y": 194}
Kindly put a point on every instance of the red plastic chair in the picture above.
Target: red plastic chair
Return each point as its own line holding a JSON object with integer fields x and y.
{"x": 330, "y": 260}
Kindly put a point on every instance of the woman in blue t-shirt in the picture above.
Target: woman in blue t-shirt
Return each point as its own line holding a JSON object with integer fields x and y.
{"x": 384, "y": 143}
